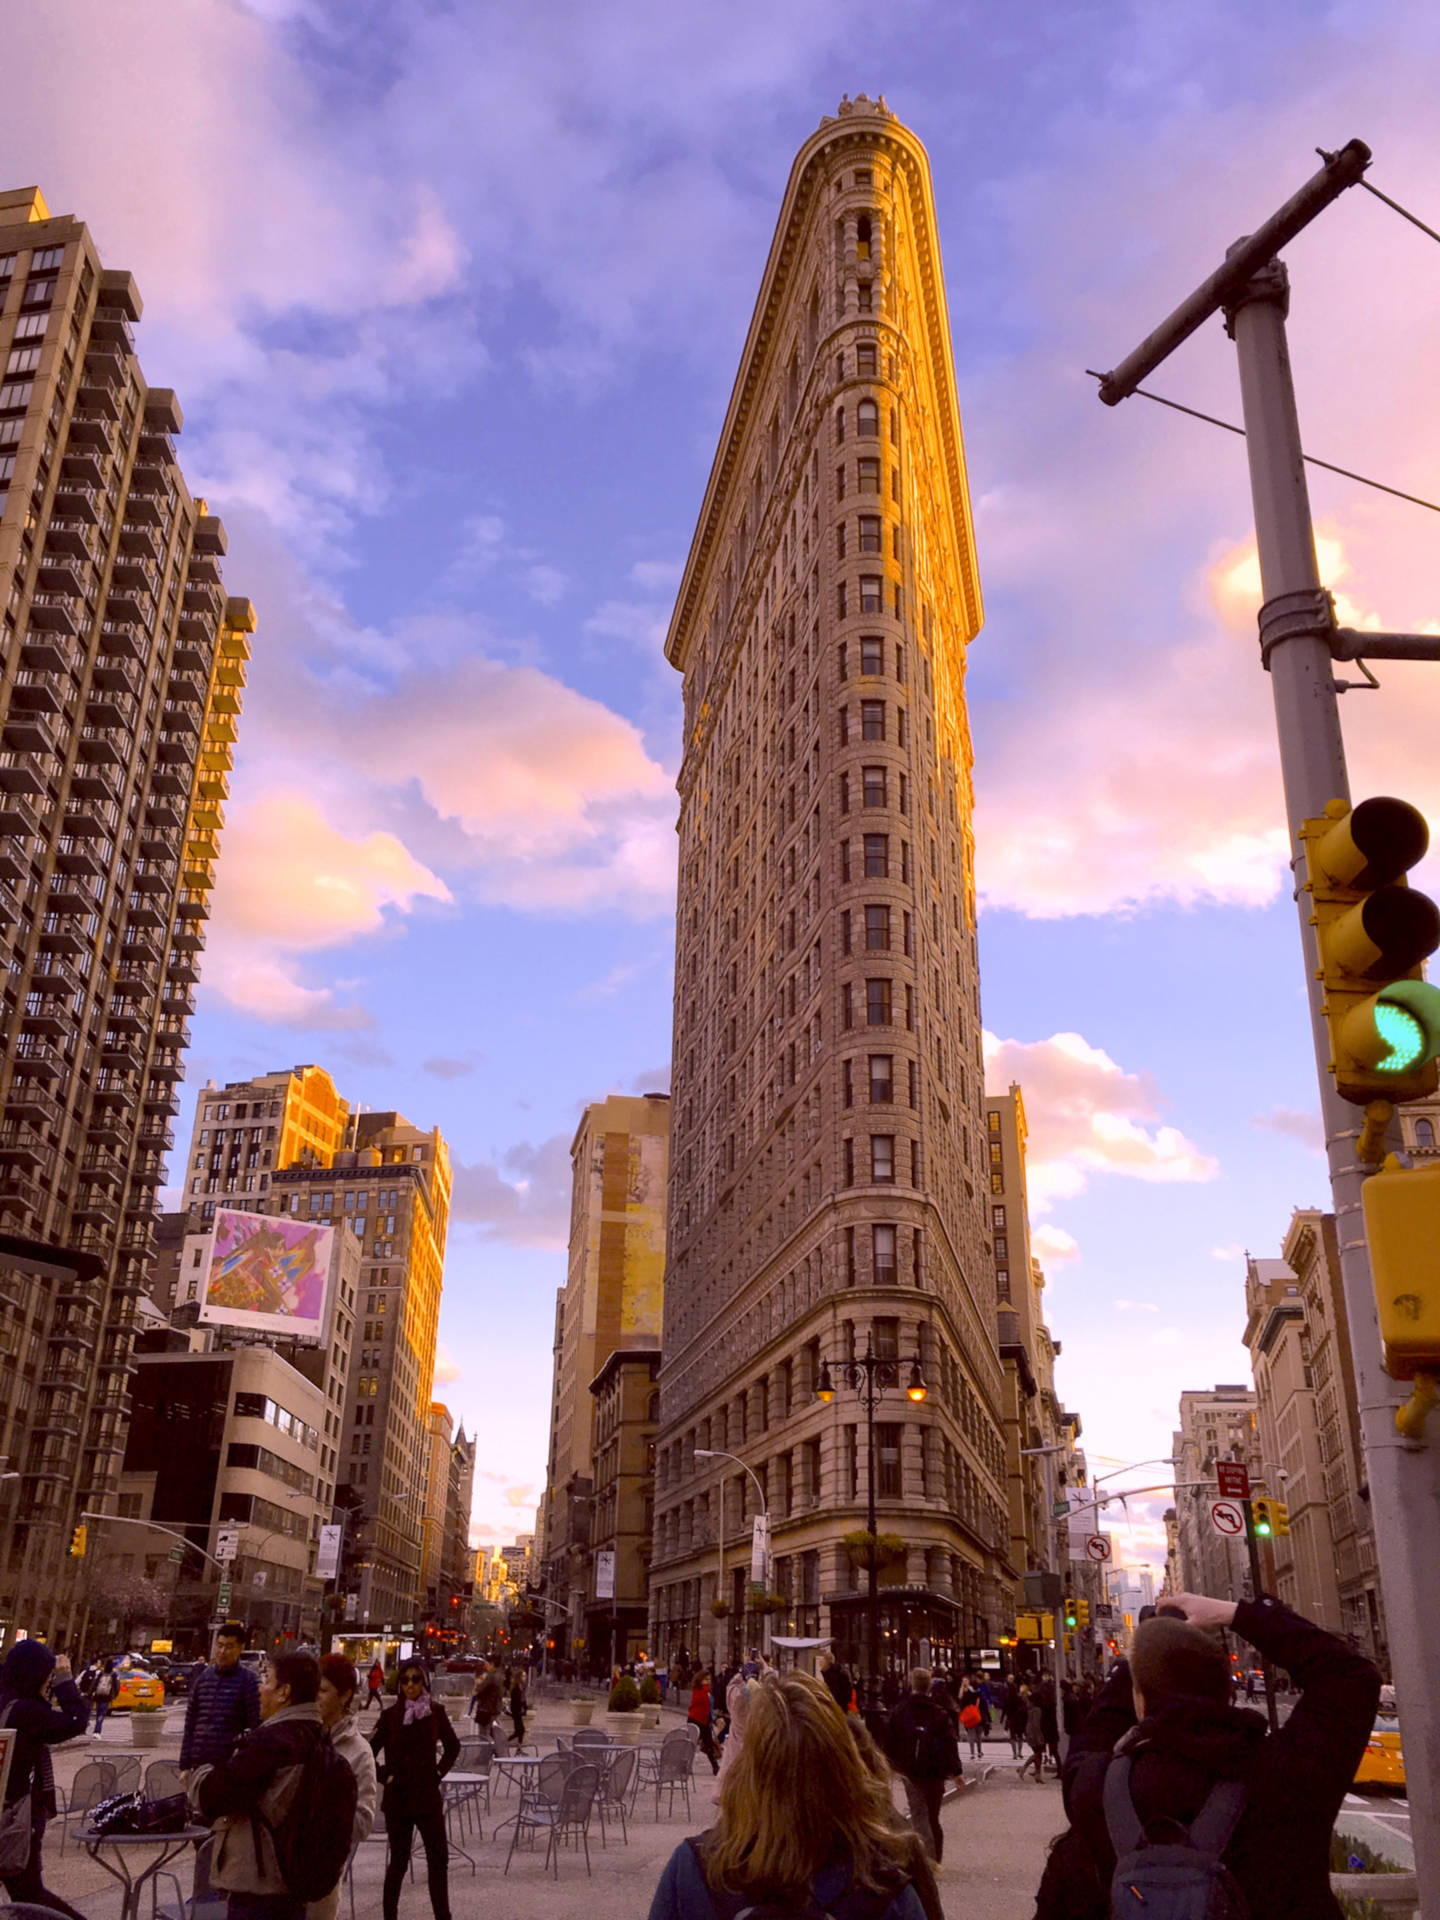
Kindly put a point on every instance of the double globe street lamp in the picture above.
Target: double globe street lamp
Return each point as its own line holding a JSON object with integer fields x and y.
{"x": 869, "y": 1374}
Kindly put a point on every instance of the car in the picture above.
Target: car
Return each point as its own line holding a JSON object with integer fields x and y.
{"x": 181, "y": 1675}
{"x": 137, "y": 1684}
{"x": 256, "y": 1660}
{"x": 1383, "y": 1763}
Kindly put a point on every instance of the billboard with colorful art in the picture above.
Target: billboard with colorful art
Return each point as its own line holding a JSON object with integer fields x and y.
{"x": 268, "y": 1274}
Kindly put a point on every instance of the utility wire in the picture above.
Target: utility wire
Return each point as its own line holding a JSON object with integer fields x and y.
{"x": 1309, "y": 458}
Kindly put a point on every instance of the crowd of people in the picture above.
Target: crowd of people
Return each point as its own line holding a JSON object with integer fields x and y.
{"x": 1163, "y": 1760}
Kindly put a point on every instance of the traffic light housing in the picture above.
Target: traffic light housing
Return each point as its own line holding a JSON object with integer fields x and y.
{"x": 77, "y": 1543}
{"x": 1280, "y": 1518}
{"x": 1070, "y": 1614}
{"x": 1402, "y": 1226}
{"x": 1261, "y": 1518}
{"x": 1372, "y": 932}
{"x": 1082, "y": 1610}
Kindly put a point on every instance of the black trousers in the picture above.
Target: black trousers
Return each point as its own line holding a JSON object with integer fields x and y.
{"x": 707, "y": 1745}
{"x": 401, "y": 1829}
{"x": 28, "y": 1887}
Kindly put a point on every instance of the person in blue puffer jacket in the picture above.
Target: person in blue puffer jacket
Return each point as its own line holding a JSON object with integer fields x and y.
{"x": 224, "y": 1703}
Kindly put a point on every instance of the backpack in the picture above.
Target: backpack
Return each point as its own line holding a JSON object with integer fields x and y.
{"x": 1181, "y": 1880}
{"x": 937, "y": 1752}
{"x": 312, "y": 1835}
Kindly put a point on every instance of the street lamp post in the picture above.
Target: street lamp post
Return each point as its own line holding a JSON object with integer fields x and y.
{"x": 869, "y": 1374}
{"x": 719, "y": 1453}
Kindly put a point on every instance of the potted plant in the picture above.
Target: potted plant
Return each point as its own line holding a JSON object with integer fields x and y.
{"x": 650, "y": 1700}
{"x": 580, "y": 1711}
{"x": 885, "y": 1551}
{"x": 720, "y": 1609}
{"x": 623, "y": 1717}
{"x": 147, "y": 1722}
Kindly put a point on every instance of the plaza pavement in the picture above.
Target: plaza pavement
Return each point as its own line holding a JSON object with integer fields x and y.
{"x": 995, "y": 1840}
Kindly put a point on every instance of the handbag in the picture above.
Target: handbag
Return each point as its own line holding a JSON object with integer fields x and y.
{"x": 17, "y": 1825}
{"x": 970, "y": 1716}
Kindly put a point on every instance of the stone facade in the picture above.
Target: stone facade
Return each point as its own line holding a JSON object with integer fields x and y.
{"x": 1216, "y": 1423}
{"x": 827, "y": 1168}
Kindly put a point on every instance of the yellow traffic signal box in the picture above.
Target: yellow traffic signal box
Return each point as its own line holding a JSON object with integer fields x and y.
{"x": 77, "y": 1543}
{"x": 1402, "y": 1225}
{"x": 1261, "y": 1518}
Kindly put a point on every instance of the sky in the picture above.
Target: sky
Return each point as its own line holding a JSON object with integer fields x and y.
{"x": 453, "y": 297}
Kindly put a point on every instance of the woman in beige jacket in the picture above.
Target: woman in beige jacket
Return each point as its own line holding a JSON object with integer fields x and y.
{"x": 339, "y": 1704}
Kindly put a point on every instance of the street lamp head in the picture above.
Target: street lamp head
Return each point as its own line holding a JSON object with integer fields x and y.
{"x": 705, "y": 1453}
{"x": 825, "y": 1386}
{"x": 915, "y": 1387}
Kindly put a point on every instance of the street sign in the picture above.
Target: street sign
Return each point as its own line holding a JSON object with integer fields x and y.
{"x": 605, "y": 1574}
{"x": 227, "y": 1545}
{"x": 177, "y": 1553}
{"x": 222, "y": 1598}
{"x": 1233, "y": 1479}
{"x": 1059, "y": 1510}
{"x": 1097, "y": 1547}
{"x": 327, "y": 1554}
{"x": 1227, "y": 1518}
{"x": 760, "y": 1550}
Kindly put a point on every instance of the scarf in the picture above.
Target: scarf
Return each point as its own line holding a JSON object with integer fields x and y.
{"x": 417, "y": 1710}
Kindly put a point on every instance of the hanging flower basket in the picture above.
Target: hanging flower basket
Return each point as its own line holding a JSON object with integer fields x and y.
{"x": 882, "y": 1550}
{"x": 759, "y": 1600}
{"x": 720, "y": 1609}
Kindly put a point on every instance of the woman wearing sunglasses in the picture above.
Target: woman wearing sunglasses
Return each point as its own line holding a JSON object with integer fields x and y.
{"x": 415, "y": 1747}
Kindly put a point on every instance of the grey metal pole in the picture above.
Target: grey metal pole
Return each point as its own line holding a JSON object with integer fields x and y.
{"x": 1403, "y": 1475}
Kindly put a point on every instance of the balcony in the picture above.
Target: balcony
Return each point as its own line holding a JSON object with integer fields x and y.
{"x": 176, "y": 749}
{"x": 113, "y": 329}
{"x": 115, "y": 677}
{"x": 30, "y": 733}
{"x": 78, "y": 856}
{"x": 54, "y": 974}
{"x": 212, "y": 785}
{"x": 123, "y": 639}
{"x": 119, "y": 1051}
{"x": 156, "y": 446}
{"x": 58, "y": 574}
{"x": 98, "y": 1166}
{"x": 126, "y": 608}
{"x": 204, "y": 569}
{"x": 91, "y": 430}
{"x": 37, "y": 1059}
{"x": 176, "y": 997}
{"x": 97, "y": 1209}
{"x": 171, "y": 779}
{"x": 80, "y": 466}
{"x": 210, "y": 535}
{"x": 113, "y": 1083}
{"x": 72, "y": 537}
{"x": 168, "y": 1063}
{"x": 162, "y": 1099}
{"x": 102, "y": 746}
{"x": 87, "y": 819}
{"x": 9, "y": 907}
{"x": 131, "y": 574}
{"x": 195, "y": 643}
{"x": 108, "y": 1126}
{"x": 104, "y": 368}
{"x": 49, "y": 652}
{"x": 141, "y": 510}
{"x": 15, "y": 868}
{"x": 172, "y": 1032}
{"x": 194, "y": 902}
{"x": 182, "y": 971}
{"x": 140, "y": 947}
{"x": 24, "y": 1146}
{"x": 203, "y": 599}
{"x": 187, "y": 936}
{"x": 138, "y": 542}
{"x": 18, "y": 818}
{"x": 182, "y": 716}
{"x": 216, "y": 758}
{"x": 153, "y": 1132}
{"x": 96, "y": 780}
{"x": 74, "y": 502}
{"x": 154, "y": 876}
{"x": 143, "y": 911}
{"x": 19, "y": 773}
{"x": 46, "y": 1018}
{"x": 148, "y": 477}
{"x": 20, "y": 1192}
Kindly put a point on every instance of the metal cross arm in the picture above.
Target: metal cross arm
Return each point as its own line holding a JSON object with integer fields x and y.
{"x": 1242, "y": 263}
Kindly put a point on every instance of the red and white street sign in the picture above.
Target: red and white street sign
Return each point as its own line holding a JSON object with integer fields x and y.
{"x": 1097, "y": 1547}
{"x": 1234, "y": 1480}
{"x": 1227, "y": 1518}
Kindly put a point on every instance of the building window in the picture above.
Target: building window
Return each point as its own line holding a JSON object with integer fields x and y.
{"x": 842, "y": 600}
{"x": 844, "y": 859}
{"x": 992, "y": 1121}
{"x": 867, "y": 474}
{"x": 882, "y": 1250}
{"x": 872, "y": 653}
{"x": 867, "y": 420}
{"x": 997, "y": 1216}
{"x": 849, "y": 1158}
{"x": 872, "y": 719}
{"x": 844, "y": 793}
{"x": 847, "y": 1006}
{"x": 877, "y": 1003}
{"x": 882, "y": 1159}
{"x": 849, "y": 1081}
{"x": 849, "y": 1256}
{"x": 870, "y": 533}
{"x": 839, "y": 424}
{"x": 865, "y": 291}
{"x": 865, "y": 360}
{"x": 845, "y": 931}
{"x": 1424, "y": 1134}
{"x": 887, "y": 1460}
{"x": 872, "y": 593}
{"x": 873, "y": 786}
{"x": 1002, "y": 1282}
{"x": 862, "y": 237}
{"x": 877, "y": 856}
{"x": 877, "y": 929}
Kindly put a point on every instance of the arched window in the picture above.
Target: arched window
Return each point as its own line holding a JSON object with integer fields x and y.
{"x": 862, "y": 237}
{"x": 652, "y": 1410}
{"x": 867, "y": 419}
{"x": 1424, "y": 1134}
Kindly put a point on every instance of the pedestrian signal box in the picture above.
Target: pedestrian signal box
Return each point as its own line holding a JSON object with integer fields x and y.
{"x": 1373, "y": 931}
{"x": 1402, "y": 1225}
{"x": 1082, "y": 1609}
{"x": 1280, "y": 1518}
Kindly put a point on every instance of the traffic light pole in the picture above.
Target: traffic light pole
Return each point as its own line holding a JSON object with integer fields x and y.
{"x": 1252, "y": 1547}
{"x": 1296, "y": 625}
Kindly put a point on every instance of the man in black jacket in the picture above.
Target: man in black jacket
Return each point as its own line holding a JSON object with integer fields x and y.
{"x": 1170, "y": 1710}
{"x": 922, "y": 1747}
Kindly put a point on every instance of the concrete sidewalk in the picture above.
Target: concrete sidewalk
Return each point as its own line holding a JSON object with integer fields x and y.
{"x": 995, "y": 1840}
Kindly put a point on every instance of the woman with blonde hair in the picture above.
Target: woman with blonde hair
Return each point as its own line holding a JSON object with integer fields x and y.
{"x": 803, "y": 1822}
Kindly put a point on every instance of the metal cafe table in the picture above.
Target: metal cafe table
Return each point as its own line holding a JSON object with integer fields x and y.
{"x": 125, "y": 1846}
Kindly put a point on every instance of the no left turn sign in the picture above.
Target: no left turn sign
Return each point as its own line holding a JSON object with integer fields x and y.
{"x": 1097, "y": 1547}
{"x": 1227, "y": 1517}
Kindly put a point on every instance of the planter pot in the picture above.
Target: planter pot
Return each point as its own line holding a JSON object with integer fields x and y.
{"x": 624, "y": 1727}
{"x": 147, "y": 1729}
{"x": 650, "y": 1715}
{"x": 580, "y": 1712}
{"x": 1392, "y": 1892}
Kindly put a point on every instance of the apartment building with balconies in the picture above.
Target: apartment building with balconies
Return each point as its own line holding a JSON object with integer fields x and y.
{"x": 122, "y": 667}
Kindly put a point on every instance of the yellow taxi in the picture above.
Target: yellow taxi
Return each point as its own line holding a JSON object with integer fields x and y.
{"x": 137, "y": 1686}
{"x": 1382, "y": 1764}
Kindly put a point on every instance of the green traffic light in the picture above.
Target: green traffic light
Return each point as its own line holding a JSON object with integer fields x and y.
{"x": 1262, "y": 1528}
{"x": 1404, "y": 1037}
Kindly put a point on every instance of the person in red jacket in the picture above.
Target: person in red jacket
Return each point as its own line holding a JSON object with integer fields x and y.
{"x": 701, "y": 1715}
{"x": 1169, "y": 1711}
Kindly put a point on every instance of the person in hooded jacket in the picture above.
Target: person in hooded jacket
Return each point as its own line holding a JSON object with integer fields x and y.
{"x": 38, "y": 1723}
{"x": 921, "y": 1745}
{"x": 339, "y": 1702}
{"x": 1170, "y": 1710}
